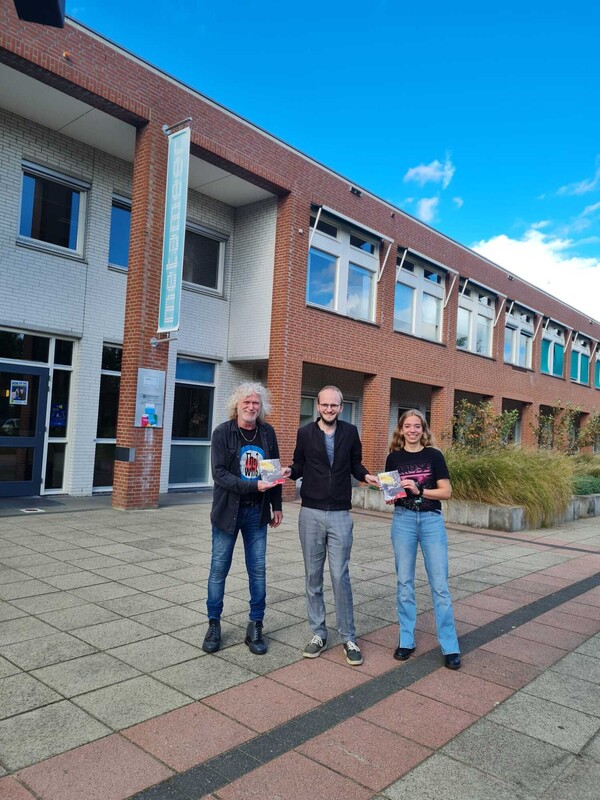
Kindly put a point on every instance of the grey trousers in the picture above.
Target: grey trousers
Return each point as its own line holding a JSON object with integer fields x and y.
{"x": 327, "y": 533}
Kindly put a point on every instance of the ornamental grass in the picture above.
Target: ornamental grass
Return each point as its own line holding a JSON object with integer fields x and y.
{"x": 539, "y": 480}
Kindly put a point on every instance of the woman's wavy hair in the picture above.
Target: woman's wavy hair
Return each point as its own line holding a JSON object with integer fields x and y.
{"x": 398, "y": 440}
{"x": 245, "y": 390}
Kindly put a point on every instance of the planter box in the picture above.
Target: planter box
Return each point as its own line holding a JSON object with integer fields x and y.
{"x": 482, "y": 515}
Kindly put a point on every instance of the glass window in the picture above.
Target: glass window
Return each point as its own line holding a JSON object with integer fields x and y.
{"x": 431, "y": 311}
{"x": 108, "y": 410}
{"x": 104, "y": 465}
{"x": 307, "y": 410}
{"x": 191, "y": 370}
{"x": 111, "y": 357}
{"x": 403, "y": 308}
{"x": 192, "y": 412}
{"x": 24, "y": 347}
{"x": 475, "y": 321}
{"x": 324, "y": 227}
{"x": 509, "y": 342}
{"x": 321, "y": 278}
{"x": 189, "y": 465}
{"x": 16, "y": 464}
{"x": 361, "y": 244}
{"x": 484, "y": 335}
{"x": 59, "y": 404}
{"x": 202, "y": 260}
{"x": 63, "y": 352}
{"x": 462, "y": 327}
{"x": 55, "y": 466}
{"x": 597, "y": 374}
{"x": 120, "y": 229}
{"x": 525, "y": 341}
{"x": 52, "y": 209}
{"x": 518, "y": 336}
{"x": 360, "y": 292}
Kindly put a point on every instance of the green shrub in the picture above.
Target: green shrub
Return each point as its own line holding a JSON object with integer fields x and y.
{"x": 586, "y": 484}
{"x": 539, "y": 480}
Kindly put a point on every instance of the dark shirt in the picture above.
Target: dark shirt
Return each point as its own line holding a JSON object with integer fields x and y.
{"x": 426, "y": 467}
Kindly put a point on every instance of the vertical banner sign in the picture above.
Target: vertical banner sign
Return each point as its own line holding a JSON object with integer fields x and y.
{"x": 174, "y": 235}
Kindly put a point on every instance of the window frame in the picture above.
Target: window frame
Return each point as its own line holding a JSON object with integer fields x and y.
{"x": 556, "y": 336}
{"x": 222, "y": 239}
{"x": 124, "y": 203}
{"x": 345, "y": 256}
{"x": 521, "y": 322}
{"x": 413, "y": 276}
{"x": 477, "y": 302}
{"x": 348, "y": 404}
{"x": 580, "y": 350}
{"x": 106, "y": 439}
{"x": 37, "y": 171}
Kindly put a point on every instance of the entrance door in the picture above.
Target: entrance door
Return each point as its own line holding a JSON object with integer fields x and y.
{"x": 23, "y": 395}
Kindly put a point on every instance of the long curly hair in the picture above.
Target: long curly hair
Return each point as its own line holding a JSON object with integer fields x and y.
{"x": 244, "y": 390}
{"x": 398, "y": 441}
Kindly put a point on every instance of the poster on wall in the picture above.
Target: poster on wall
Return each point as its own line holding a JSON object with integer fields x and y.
{"x": 19, "y": 391}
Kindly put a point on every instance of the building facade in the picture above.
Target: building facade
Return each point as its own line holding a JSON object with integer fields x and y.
{"x": 292, "y": 275}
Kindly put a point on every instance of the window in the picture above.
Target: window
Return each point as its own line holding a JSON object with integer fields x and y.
{"x": 418, "y": 300}
{"x": 553, "y": 351}
{"x": 518, "y": 336}
{"x": 580, "y": 360}
{"x": 192, "y": 423}
{"x": 342, "y": 270}
{"x": 60, "y": 383}
{"x": 597, "y": 373}
{"x": 203, "y": 259}
{"x": 120, "y": 227}
{"x": 475, "y": 320}
{"x": 52, "y": 210}
{"x": 309, "y": 411}
{"x": 108, "y": 409}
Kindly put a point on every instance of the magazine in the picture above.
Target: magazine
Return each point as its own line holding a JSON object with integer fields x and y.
{"x": 270, "y": 471}
{"x": 390, "y": 485}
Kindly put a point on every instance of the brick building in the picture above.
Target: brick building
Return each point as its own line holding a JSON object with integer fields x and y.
{"x": 292, "y": 275}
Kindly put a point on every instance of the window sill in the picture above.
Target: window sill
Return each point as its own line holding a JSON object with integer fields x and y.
{"x": 473, "y": 353}
{"x": 205, "y": 290}
{"x": 550, "y": 375}
{"x": 117, "y": 268}
{"x": 518, "y": 367}
{"x": 420, "y": 338}
{"x": 53, "y": 250}
{"x": 342, "y": 316}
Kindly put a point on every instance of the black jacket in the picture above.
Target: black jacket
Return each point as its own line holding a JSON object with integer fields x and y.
{"x": 229, "y": 486}
{"x": 323, "y": 486}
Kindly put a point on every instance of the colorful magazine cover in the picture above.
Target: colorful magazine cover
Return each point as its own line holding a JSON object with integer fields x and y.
{"x": 390, "y": 485}
{"x": 270, "y": 471}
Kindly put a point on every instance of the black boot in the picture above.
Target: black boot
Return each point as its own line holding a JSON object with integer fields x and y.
{"x": 254, "y": 638}
{"x": 212, "y": 640}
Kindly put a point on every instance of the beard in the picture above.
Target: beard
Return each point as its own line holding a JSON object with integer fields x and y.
{"x": 330, "y": 423}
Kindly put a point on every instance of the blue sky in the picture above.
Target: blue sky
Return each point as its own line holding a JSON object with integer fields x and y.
{"x": 482, "y": 121}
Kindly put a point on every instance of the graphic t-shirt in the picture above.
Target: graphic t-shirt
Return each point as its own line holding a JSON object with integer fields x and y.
{"x": 426, "y": 467}
{"x": 251, "y": 454}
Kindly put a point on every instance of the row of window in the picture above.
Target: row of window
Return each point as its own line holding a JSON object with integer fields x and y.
{"x": 53, "y": 213}
{"x": 342, "y": 274}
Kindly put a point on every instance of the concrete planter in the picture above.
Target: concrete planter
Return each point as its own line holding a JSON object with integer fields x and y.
{"x": 482, "y": 515}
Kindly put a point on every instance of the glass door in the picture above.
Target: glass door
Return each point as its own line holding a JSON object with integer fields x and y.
{"x": 23, "y": 395}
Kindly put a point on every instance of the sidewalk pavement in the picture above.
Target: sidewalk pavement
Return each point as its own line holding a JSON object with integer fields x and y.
{"x": 105, "y": 693}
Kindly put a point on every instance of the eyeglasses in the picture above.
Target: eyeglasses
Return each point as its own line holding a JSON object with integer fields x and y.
{"x": 332, "y": 406}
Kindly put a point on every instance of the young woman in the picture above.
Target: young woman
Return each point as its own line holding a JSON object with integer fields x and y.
{"x": 418, "y": 520}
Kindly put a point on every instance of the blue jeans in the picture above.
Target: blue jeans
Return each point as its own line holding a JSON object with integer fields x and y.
{"x": 409, "y": 529}
{"x": 255, "y": 550}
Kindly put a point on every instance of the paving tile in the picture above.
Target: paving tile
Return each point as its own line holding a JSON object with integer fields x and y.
{"x": 424, "y": 782}
{"x": 419, "y": 718}
{"x": 23, "y": 628}
{"x": 20, "y": 693}
{"x": 44, "y": 732}
{"x": 9, "y": 610}
{"x": 179, "y": 738}
{"x": 591, "y": 647}
{"x": 10, "y": 789}
{"x": 110, "y": 769}
{"x": 112, "y": 634}
{"x": 580, "y": 780}
{"x": 580, "y": 666}
{"x": 151, "y": 581}
{"x": 47, "y": 602}
{"x": 557, "y": 637}
{"x": 277, "y": 655}
{"x": 136, "y": 700}
{"x": 499, "y": 669}
{"x": 170, "y": 619}
{"x": 462, "y": 690}
{"x": 535, "y": 653}
{"x": 133, "y": 604}
{"x": 525, "y": 763}
{"x": 182, "y": 593}
{"x": 370, "y": 755}
{"x": 319, "y": 678}
{"x": 564, "y": 727}
{"x": 69, "y": 619}
{"x": 103, "y": 591}
{"x": 581, "y": 609}
{"x": 74, "y": 580}
{"x": 230, "y": 635}
{"x": 150, "y": 655}
{"x": 85, "y": 674}
{"x": 475, "y": 616}
{"x": 568, "y": 691}
{"x": 261, "y": 704}
{"x": 426, "y": 624}
{"x": 570, "y": 622}
{"x": 592, "y": 750}
{"x": 7, "y": 668}
{"x": 46, "y": 650}
{"x": 486, "y": 601}
{"x": 14, "y": 591}
{"x": 293, "y": 777}
{"x": 203, "y": 676}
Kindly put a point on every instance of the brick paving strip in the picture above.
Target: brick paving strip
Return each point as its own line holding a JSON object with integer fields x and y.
{"x": 330, "y": 744}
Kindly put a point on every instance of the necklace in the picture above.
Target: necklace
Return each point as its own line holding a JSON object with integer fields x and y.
{"x": 244, "y": 438}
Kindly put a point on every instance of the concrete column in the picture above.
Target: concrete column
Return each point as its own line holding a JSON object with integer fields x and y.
{"x": 136, "y": 484}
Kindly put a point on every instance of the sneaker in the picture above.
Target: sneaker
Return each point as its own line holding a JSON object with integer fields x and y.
{"x": 254, "y": 638}
{"x": 212, "y": 640}
{"x": 315, "y": 647}
{"x": 353, "y": 654}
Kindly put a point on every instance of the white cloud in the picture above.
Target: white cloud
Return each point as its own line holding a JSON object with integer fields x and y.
{"x": 546, "y": 262}
{"x": 581, "y": 187}
{"x": 458, "y": 202}
{"x": 436, "y": 172}
{"x": 426, "y": 208}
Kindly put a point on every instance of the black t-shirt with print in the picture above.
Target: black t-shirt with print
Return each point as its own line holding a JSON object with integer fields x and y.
{"x": 251, "y": 453}
{"x": 426, "y": 467}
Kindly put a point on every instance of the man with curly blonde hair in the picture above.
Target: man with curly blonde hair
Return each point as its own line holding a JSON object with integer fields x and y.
{"x": 242, "y": 502}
